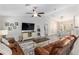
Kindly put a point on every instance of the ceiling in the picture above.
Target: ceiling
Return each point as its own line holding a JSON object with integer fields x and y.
{"x": 49, "y": 9}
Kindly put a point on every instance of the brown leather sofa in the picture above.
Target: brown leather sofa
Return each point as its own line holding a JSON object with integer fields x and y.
{"x": 14, "y": 46}
{"x": 61, "y": 47}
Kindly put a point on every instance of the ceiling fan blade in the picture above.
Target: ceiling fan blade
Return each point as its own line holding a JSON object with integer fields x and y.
{"x": 29, "y": 13}
{"x": 41, "y": 13}
{"x": 33, "y": 10}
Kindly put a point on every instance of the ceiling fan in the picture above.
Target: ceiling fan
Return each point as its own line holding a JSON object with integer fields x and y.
{"x": 35, "y": 13}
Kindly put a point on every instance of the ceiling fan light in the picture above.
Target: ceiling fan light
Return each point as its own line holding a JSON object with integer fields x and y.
{"x": 35, "y": 15}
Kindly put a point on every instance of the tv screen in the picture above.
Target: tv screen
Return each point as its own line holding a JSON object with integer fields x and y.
{"x": 27, "y": 26}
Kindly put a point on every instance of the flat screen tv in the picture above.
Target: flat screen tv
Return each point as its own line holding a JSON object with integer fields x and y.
{"x": 27, "y": 26}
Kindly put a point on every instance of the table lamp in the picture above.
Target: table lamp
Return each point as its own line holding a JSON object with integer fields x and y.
{"x": 3, "y": 33}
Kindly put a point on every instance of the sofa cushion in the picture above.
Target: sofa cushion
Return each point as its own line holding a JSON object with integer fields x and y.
{"x": 62, "y": 43}
{"x": 41, "y": 51}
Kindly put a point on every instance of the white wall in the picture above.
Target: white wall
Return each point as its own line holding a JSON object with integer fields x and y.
{"x": 17, "y": 32}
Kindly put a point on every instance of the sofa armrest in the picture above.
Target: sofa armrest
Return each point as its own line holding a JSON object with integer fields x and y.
{"x": 41, "y": 51}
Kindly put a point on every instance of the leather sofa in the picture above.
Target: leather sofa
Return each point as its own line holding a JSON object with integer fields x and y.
{"x": 61, "y": 47}
{"x": 15, "y": 47}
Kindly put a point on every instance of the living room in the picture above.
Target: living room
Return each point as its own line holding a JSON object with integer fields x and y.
{"x": 34, "y": 27}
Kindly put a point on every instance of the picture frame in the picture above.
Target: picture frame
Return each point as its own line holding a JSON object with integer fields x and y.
{"x": 9, "y": 28}
{"x": 16, "y": 24}
{"x": 11, "y": 24}
{"x": 7, "y": 24}
{"x": 14, "y": 27}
